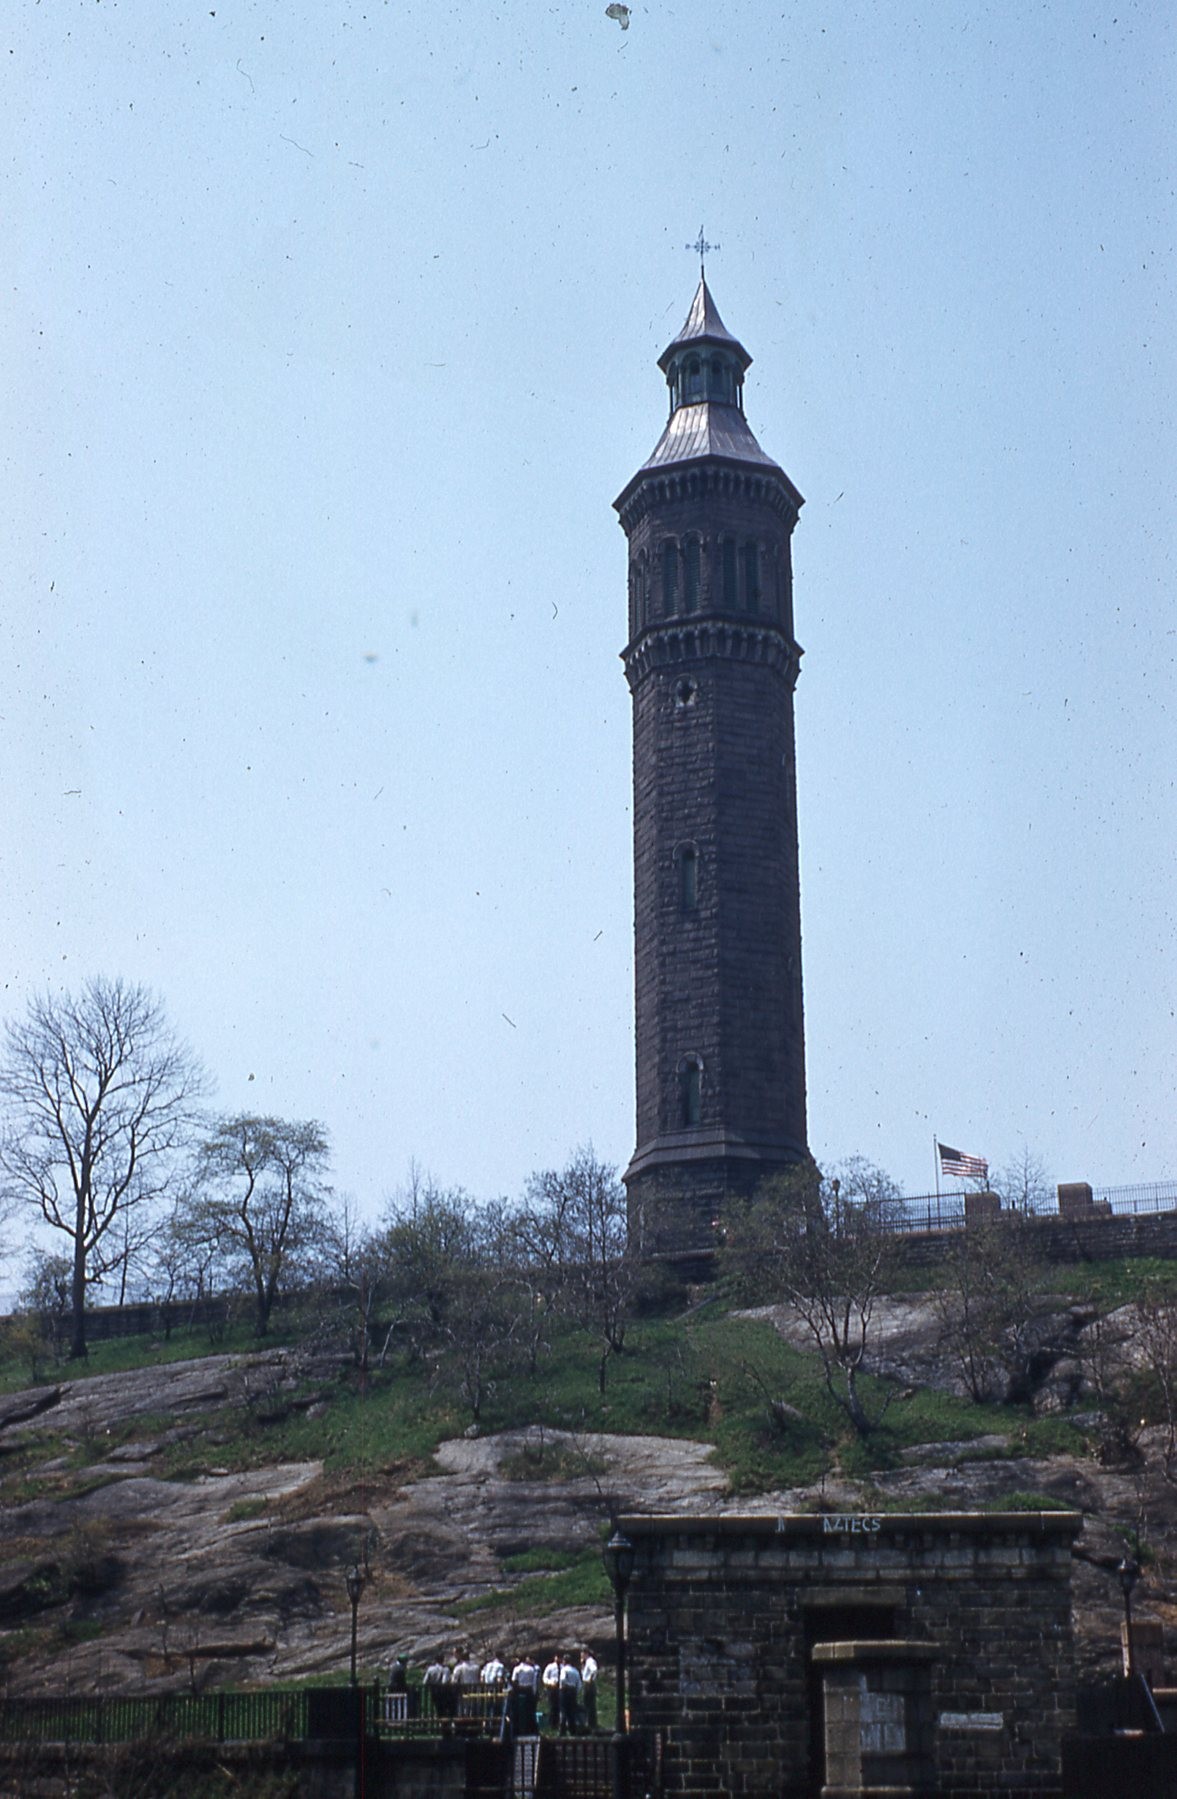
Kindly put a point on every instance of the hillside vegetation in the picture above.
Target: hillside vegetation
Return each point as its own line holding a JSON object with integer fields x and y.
{"x": 183, "y": 1512}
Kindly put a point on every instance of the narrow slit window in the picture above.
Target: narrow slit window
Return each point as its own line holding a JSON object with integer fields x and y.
{"x": 729, "y": 573}
{"x": 669, "y": 578}
{"x": 752, "y": 577}
{"x": 692, "y": 1093}
{"x": 691, "y": 575}
{"x": 688, "y": 877}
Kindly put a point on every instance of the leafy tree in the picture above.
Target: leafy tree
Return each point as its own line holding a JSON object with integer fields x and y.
{"x": 432, "y": 1241}
{"x": 483, "y": 1334}
{"x": 445, "y": 1265}
{"x": 260, "y": 1194}
{"x": 573, "y": 1228}
{"x": 993, "y": 1315}
{"x": 32, "y": 1332}
{"x": 1154, "y": 1318}
{"x": 99, "y": 1102}
{"x": 48, "y": 1283}
{"x": 823, "y": 1244}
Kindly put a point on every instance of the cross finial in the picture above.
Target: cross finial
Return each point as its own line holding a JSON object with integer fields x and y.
{"x": 701, "y": 247}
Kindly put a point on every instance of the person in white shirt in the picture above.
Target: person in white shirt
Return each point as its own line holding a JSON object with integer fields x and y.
{"x": 588, "y": 1688}
{"x": 493, "y": 1672}
{"x": 524, "y": 1682}
{"x": 551, "y": 1685}
{"x": 467, "y": 1674}
{"x": 439, "y": 1685}
{"x": 569, "y": 1695}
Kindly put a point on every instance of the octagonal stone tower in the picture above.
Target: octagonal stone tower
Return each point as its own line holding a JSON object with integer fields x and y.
{"x": 711, "y": 663}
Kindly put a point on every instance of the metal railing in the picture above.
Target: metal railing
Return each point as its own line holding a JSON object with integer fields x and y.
{"x": 1148, "y": 1198}
{"x": 946, "y": 1211}
{"x": 429, "y": 1712}
{"x": 579, "y": 1768}
{"x": 212, "y": 1717}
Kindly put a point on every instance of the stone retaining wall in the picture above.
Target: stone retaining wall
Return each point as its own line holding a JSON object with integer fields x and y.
{"x": 1097, "y": 1237}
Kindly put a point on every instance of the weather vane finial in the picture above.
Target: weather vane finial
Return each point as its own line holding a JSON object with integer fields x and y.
{"x": 701, "y": 247}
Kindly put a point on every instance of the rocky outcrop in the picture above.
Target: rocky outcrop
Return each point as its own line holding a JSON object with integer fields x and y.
{"x": 121, "y": 1575}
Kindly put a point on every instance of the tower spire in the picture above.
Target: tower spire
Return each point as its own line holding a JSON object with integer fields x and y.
{"x": 701, "y": 247}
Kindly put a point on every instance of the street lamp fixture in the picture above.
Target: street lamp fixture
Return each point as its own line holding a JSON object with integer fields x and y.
{"x": 355, "y": 1586}
{"x": 619, "y": 1556}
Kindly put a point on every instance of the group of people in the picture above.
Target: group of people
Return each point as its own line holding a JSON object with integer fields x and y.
{"x": 563, "y": 1693}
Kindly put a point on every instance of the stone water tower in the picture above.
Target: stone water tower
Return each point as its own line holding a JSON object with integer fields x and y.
{"x": 711, "y": 662}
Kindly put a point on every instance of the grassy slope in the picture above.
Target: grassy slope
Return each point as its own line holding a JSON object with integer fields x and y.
{"x": 710, "y": 1379}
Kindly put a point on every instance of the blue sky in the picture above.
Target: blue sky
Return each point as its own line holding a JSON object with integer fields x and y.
{"x": 329, "y": 336}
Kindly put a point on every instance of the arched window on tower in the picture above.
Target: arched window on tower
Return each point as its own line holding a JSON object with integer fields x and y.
{"x": 752, "y": 577}
{"x": 641, "y": 592}
{"x": 690, "y": 575}
{"x": 669, "y": 578}
{"x": 720, "y": 387}
{"x": 691, "y": 1079}
{"x": 688, "y": 877}
{"x": 693, "y": 384}
{"x": 729, "y": 574}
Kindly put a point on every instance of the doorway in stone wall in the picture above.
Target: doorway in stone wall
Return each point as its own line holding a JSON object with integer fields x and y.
{"x": 839, "y": 1617}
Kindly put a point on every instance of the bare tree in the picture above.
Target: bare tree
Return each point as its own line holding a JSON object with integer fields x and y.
{"x": 572, "y": 1226}
{"x": 1022, "y": 1183}
{"x": 260, "y": 1193}
{"x": 823, "y": 1244}
{"x": 350, "y": 1264}
{"x": 99, "y": 1101}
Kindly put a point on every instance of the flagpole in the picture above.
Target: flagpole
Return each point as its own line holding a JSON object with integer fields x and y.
{"x": 936, "y": 1167}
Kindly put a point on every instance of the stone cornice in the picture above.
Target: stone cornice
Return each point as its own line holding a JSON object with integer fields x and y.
{"x": 699, "y": 480}
{"x": 707, "y": 638}
{"x": 816, "y": 1524}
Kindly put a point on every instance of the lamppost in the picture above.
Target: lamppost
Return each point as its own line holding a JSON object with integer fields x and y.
{"x": 355, "y": 1586}
{"x": 619, "y": 1556}
{"x": 1128, "y": 1573}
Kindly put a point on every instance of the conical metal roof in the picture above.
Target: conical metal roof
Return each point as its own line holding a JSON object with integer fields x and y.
{"x": 703, "y": 321}
{"x": 707, "y": 429}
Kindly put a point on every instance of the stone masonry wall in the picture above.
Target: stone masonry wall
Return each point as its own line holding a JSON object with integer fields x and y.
{"x": 945, "y": 1640}
{"x": 1067, "y": 1240}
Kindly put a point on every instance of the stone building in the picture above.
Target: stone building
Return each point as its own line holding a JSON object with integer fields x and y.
{"x": 711, "y": 662}
{"x": 825, "y": 1657}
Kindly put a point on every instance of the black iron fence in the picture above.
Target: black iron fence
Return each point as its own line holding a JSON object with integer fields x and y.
{"x": 946, "y": 1211}
{"x": 264, "y": 1716}
{"x": 269, "y": 1714}
{"x": 1150, "y": 1197}
{"x": 581, "y": 1768}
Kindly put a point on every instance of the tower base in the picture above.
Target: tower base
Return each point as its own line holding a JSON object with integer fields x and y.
{"x": 676, "y": 1207}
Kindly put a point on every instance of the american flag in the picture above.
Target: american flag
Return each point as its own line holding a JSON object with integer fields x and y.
{"x": 954, "y": 1161}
